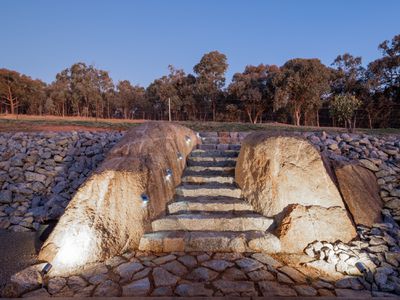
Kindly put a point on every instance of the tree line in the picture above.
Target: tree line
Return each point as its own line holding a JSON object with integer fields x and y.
{"x": 298, "y": 92}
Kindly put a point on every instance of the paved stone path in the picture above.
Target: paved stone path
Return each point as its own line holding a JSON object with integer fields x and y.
{"x": 192, "y": 274}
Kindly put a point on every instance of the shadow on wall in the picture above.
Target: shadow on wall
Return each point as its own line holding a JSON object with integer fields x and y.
{"x": 107, "y": 215}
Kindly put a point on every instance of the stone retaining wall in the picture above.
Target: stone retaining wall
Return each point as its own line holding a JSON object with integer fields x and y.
{"x": 39, "y": 173}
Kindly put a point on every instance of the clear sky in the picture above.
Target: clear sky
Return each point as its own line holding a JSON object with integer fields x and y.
{"x": 137, "y": 40}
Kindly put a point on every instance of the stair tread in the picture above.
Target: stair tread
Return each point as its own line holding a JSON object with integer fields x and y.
{"x": 208, "y": 173}
{"x": 210, "y": 199}
{"x": 208, "y": 185}
{"x": 216, "y": 215}
{"x": 227, "y": 163}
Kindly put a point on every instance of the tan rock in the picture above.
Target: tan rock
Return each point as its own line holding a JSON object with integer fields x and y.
{"x": 360, "y": 192}
{"x": 302, "y": 225}
{"x": 276, "y": 171}
{"x": 106, "y": 216}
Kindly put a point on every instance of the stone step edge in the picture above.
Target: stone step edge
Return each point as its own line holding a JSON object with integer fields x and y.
{"x": 223, "y": 241}
{"x": 215, "y": 222}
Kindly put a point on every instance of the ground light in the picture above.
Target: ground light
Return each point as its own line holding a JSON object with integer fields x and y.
{"x": 75, "y": 248}
{"x": 168, "y": 175}
{"x": 188, "y": 140}
{"x": 47, "y": 267}
{"x": 179, "y": 156}
{"x": 145, "y": 200}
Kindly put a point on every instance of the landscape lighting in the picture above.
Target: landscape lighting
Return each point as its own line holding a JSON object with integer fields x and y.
{"x": 179, "y": 155}
{"x": 168, "y": 175}
{"x": 46, "y": 268}
{"x": 187, "y": 139}
{"x": 145, "y": 200}
{"x": 76, "y": 246}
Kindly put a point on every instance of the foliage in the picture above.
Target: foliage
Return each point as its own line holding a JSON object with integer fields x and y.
{"x": 343, "y": 108}
{"x": 299, "y": 91}
{"x": 301, "y": 86}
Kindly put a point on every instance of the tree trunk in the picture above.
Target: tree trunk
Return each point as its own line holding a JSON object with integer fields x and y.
{"x": 214, "y": 110}
{"x": 317, "y": 118}
{"x": 369, "y": 120}
{"x": 297, "y": 116}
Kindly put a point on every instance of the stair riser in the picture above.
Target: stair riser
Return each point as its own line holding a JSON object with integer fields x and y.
{"x": 235, "y": 193}
{"x": 201, "y": 206}
{"x": 201, "y": 168}
{"x": 218, "y": 147}
{"x": 219, "y": 140}
{"x": 192, "y": 163}
{"x": 212, "y": 224}
{"x": 200, "y": 179}
{"x": 214, "y": 153}
{"x": 193, "y": 241}
{"x": 212, "y": 159}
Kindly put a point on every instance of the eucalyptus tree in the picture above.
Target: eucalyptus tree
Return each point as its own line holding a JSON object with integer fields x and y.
{"x": 301, "y": 85}
{"x": 210, "y": 73}
{"x": 250, "y": 87}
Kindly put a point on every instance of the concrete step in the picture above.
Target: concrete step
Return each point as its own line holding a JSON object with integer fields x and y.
{"x": 209, "y": 168}
{"x": 212, "y": 158}
{"x": 224, "y": 163}
{"x": 195, "y": 190}
{"x": 170, "y": 241}
{"x": 214, "y": 153}
{"x": 207, "y": 179}
{"x": 216, "y": 204}
{"x": 212, "y": 222}
{"x": 218, "y": 146}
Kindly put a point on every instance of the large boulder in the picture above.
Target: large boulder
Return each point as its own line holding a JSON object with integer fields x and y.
{"x": 302, "y": 225}
{"x": 360, "y": 192}
{"x": 276, "y": 171}
{"x": 107, "y": 215}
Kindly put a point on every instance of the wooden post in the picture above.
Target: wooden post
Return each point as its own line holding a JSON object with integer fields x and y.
{"x": 169, "y": 109}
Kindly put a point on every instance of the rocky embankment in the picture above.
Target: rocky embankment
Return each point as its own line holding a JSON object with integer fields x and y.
{"x": 40, "y": 172}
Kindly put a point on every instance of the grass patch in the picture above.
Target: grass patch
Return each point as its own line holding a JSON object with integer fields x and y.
{"x": 39, "y": 123}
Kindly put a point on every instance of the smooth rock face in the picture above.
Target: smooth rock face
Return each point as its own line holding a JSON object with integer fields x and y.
{"x": 106, "y": 216}
{"x": 361, "y": 193}
{"x": 302, "y": 225}
{"x": 276, "y": 171}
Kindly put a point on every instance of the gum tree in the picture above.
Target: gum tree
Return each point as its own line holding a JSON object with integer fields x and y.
{"x": 343, "y": 108}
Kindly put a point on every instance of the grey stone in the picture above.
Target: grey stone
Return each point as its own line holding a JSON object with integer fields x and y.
{"x": 248, "y": 264}
{"x": 107, "y": 288}
{"x": 137, "y": 288}
{"x": 164, "y": 278}
{"x": 217, "y": 264}
{"x": 193, "y": 290}
{"x": 188, "y": 260}
{"x": 5, "y": 196}
{"x": 227, "y": 286}
{"x": 202, "y": 274}
{"x": 126, "y": 270}
{"x": 175, "y": 267}
{"x": 305, "y": 290}
{"x": 273, "y": 288}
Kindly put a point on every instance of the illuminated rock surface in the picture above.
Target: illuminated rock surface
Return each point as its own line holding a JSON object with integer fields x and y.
{"x": 361, "y": 193}
{"x": 302, "y": 225}
{"x": 208, "y": 212}
{"x": 277, "y": 171}
{"x": 106, "y": 216}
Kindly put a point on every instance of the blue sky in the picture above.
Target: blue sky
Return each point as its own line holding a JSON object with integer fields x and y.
{"x": 137, "y": 40}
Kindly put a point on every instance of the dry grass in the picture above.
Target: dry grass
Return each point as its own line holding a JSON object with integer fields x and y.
{"x": 54, "y": 123}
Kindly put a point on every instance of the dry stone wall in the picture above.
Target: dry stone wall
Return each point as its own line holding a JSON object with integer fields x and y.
{"x": 40, "y": 172}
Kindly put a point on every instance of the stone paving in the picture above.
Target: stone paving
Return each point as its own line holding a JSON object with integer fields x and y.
{"x": 187, "y": 274}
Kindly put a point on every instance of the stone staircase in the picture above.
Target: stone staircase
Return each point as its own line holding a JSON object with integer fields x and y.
{"x": 208, "y": 212}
